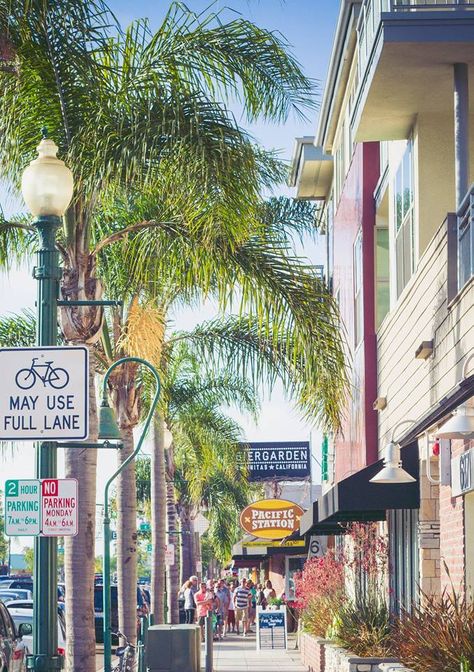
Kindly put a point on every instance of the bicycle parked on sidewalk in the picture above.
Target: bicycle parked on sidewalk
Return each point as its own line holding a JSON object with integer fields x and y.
{"x": 127, "y": 655}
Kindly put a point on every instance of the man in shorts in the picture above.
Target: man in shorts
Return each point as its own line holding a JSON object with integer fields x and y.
{"x": 242, "y": 597}
{"x": 203, "y": 599}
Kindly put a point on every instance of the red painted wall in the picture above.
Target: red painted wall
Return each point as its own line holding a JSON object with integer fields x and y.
{"x": 356, "y": 446}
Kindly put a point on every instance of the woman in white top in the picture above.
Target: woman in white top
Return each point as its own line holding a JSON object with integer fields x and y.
{"x": 231, "y": 611}
{"x": 189, "y": 603}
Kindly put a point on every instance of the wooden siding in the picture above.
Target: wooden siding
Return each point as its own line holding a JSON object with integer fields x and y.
{"x": 412, "y": 386}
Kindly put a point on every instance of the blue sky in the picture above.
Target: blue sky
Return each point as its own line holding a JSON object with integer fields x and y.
{"x": 308, "y": 25}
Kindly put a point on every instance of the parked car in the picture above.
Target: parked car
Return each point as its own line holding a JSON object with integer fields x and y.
{"x": 27, "y": 584}
{"x": 24, "y": 617}
{"x": 9, "y": 594}
{"x": 13, "y": 650}
{"x": 142, "y": 609}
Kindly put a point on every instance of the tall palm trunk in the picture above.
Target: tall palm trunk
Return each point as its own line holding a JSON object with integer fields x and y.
{"x": 188, "y": 565}
{"x": 158, "y": 521}
{"x": 126, "y": 403}
{"x": 79, "y": 553}
{"x": 127, "y": 541}
{"x": 173, "y": 570}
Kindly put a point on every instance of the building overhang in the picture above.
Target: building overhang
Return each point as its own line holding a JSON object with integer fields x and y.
{"x": 311, "y": 170}
{"x": 409, "y": 71}
{"x": 356, "y": 499}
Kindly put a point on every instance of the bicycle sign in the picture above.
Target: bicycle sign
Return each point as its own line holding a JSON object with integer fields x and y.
{"x": 54, "y": 376}
{"x": 44, "y": 393}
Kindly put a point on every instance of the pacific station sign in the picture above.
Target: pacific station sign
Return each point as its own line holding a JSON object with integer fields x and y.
{"x": 271, "y": 518}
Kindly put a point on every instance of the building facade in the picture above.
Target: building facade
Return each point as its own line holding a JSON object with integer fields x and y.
{"x": 391, "y": 163}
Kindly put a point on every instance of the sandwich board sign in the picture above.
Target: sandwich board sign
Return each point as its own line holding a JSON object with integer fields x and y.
{"x": 44, "y": 393}
{"x": 271, "y": 628}
{"x": 23, "y": 508}
{"x": 41, "y": 507}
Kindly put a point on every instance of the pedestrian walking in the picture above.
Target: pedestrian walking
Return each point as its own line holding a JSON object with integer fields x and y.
{"x": 203, "y": 599}
{"x": 223, "y": 594}
{"x": 253, "y": 603}
{"x": 269, "y": 591}
{"x": 261, "y": 599}
{"x": 231, "y": 610}
{"x": 189, "y": 602}
{"x": 242, "y": 597}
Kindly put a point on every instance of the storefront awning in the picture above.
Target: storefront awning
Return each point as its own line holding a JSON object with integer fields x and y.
{"x": 247, "y": 562}
{"x": 356, "y": 499}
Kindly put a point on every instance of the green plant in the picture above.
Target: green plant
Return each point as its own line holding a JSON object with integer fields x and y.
{"x": 363, "y": 627}
{"x": 438, "y": 635}
{"x": 275, "y": 602}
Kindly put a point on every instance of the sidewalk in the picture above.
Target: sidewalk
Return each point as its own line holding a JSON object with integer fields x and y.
{"x": 238, "y": 654}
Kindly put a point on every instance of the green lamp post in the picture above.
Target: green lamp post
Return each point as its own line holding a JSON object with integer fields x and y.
{"x": 108, "y": 429}
{"x": 47, "y": 187}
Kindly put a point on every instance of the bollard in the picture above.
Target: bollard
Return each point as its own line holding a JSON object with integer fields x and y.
{"x": 209, "y": 642}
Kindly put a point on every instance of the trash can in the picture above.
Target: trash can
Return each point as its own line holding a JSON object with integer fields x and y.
{"x": 173, "y": 648}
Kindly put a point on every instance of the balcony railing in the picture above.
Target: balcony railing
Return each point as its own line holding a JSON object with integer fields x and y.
{"x": 465, "y": 239}
{"x": 370, "y": 15}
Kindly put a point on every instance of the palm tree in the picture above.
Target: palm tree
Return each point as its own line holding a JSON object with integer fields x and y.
{"x": 154, "y": 122}
{"x": 203, "y": 458}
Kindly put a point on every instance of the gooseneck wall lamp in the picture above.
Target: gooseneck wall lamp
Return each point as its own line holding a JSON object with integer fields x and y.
{"x": 461, "y": 423}
{"x": 392, "y": 471}
{"x": 108, "y": 429}
{"x": 47, "y": 187}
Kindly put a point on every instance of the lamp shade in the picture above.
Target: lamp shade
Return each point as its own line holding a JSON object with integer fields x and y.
{"x": 459, "y": 426}
{"x": 392, "y": 471}
{"x": 108, "y": 428}
{"x": 47, "y": 183}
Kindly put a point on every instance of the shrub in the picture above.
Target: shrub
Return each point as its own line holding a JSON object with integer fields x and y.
{"x": 437, "y": 636}
{"x": 363, "y": 627}
{"x": 320, "y": 592}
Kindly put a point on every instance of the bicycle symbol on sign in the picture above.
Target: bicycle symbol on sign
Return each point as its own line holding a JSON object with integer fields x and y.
{"x": 54, "y": 376}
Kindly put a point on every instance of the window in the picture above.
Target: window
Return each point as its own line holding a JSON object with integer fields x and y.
{"x": 466, "y": 241}
{"x": 358, "y": 307}
{"x": 404, "y": 226}
{"x": 382, "y": 275}
{"x": 293, "y": 566}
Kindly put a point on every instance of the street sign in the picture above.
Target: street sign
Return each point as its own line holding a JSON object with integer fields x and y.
{"x": 59, "y": 507}
{"x": 22, "y": 508}
{"x": 44, "y": 393}
{"x": 169, "y": 555}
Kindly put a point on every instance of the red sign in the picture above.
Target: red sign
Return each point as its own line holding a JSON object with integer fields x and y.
{"x": 59, "y": 507}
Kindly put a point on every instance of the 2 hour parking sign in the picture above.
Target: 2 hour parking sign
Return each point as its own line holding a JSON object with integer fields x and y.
{"x": 44, "y": 393}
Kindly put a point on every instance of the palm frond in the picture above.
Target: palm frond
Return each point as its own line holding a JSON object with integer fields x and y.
{"x": 18, "y": 331}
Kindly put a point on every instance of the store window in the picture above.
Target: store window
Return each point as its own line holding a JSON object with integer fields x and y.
{"x": 294, "y": 564}
{"x": 404, "y": 567}
{"x": 358, "y": 307}
{"x": 404, "y": 224}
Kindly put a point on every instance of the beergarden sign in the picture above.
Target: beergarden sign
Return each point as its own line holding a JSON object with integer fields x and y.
{"x": 271, "y": 518}
{"x": 281, "y": 460}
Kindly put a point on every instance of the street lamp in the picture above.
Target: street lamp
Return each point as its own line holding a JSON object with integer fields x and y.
{"x": 108, "y": 429}
{"x": 47, "y": 187}
{"x": 392, "y": 471}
